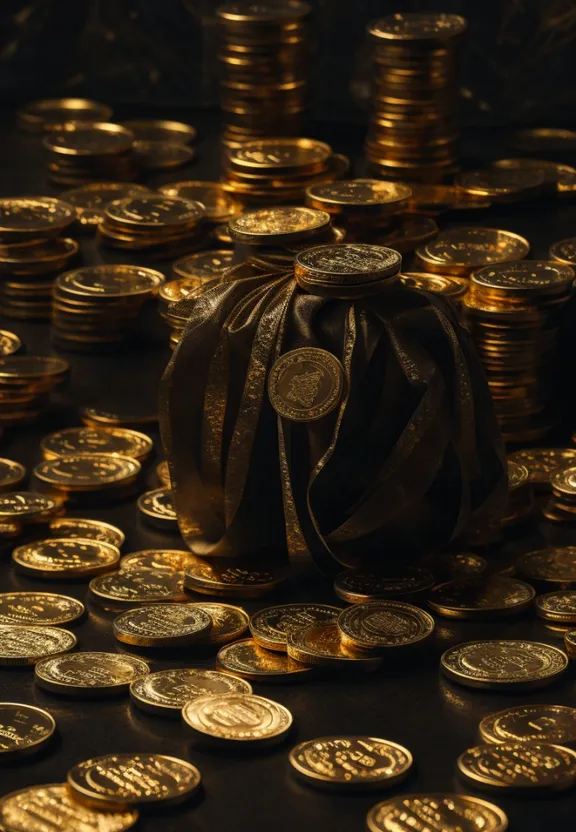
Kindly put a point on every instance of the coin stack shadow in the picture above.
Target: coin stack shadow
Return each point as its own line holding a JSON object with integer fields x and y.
{"x": 263, "y": 60}
{"x": 413, "y": 131}
{"x": 80, "y": 153}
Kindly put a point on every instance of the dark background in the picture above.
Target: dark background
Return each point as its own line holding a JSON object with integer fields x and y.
{"x": 518, "y": 61}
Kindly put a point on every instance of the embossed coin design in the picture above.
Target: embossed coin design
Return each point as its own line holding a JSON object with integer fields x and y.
{"x": 167, "y": 691}
{"x": 85, "y": 440}
{"x": 32, "y": 808}
{"x": 162, "y": 625}
{"x": 87, "y": 529}
{"x": 350, "y": 763}
{"x": 228, "y": 622}
{"x": 501, "y": 665}
{"x": 87, "y": 472}
{"x": 345, "y": 265}
{"x": 306, "y": 384}
{"x": 38, "y": 608}
{"x": 89, "y": 673}
{"x": 120, "y": 781}
{"x": 227, "y": 719}
{"x": 111, "y": 281}
{"x": 269, "y": 627}
{"x": 379, "y": 625}
{"x": 322, "y": 645}
{"x": 27, "y": 645}
{"x": 282, "y": 155}
{"x": 531, "y": 723}
{"x": 64, "y": 557}
{"x": 248, "y": 660}
{"x": 491, "y": 597}
{"x": 448, "y": 813}
{"x": 11, "y": 474}
{"x": 550, "y": 568}
{"x": 557, "y": 606}
{"x": 133, "y": 588}
{"x": 519, "y": 768}
{"x": 154, "y": 210}
{"x": 26, "y": 506}
{"x": 359, "y": 196}
{"x": 156, "y": 560}
{"x": 359, "y": 585}
{"x": 240, "y": 578}
{"x": 24, "y": 729}
{"x": 277, "y": 225}
{"x": 157, "y": 508}
{"x": 31, "y": 218}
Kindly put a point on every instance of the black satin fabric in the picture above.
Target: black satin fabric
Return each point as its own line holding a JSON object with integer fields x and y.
{"x": 409, "y": 461}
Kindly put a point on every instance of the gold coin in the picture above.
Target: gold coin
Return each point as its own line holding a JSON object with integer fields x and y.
{"x": 196, "y": 269}
{"x": 167, "y": 691}
{"x": 49, "y": 114}
{"x": 29, "y": 369}
{"x": 248, "y": 660}
{"x": 87, "y": 529}
{"x": 24, "y": 730}
{"x": 220, "y": 206}
{"x": 240, "y": 578}
{"x": 448, "y": 813}
{"x": 440, "y": 284}
{"x": 553, "y": 568}
{"x": 120, "y": 781}
{"x": 481, "y": 598}
{"x": 228, "y": 622}
{"x": 27, "y": 645}
{"x": 347, "y": 265}
{"x": 519, "y": 768}
{"x": 503, "y": 184}
{"x": 322, "y": 645}
{"x": 134, "y": 588}
{"x": 81, "y": 139}
{"x": 32, "y": 808}
{"x": 524, "y": 276}
{"x": 90, "y": 200}
{"x": 11, "y": 474}
{"x": 33, "y": 218}
{"x": 448, "y": 565}
{"x": 531, "y": 723}
{"x": 359, "y": 196}
{"x": 503, "y": 664}
{"x": 9, "y": 342}
{"x": 87, "y": 472}
{"x": 350, "y": 763}
{"x": 163, "y": 474}
{"x": 467, "y": 248}
{"x": 418, "y": 26}
{"x": 228, "y": 719}
{"x": 161, "y": 155}
{"x": 359, "y": 585}
{"x": 281, "y": 156}
{"x": 157, "y": 508}
{"x": 98, "y": 417}
{"x": 564, "y": 251}
{"x": 277, "y": 225}
{"x": 27, "y": 506}
{"x": 171, "y": 560}
{"x": 541, "y": 462}
{"x": 161, "y": 130}
{"x": 163, "y": 625}
{"x": 570, "y": 643}
{"x": 98, "y": 440}
{"x": 270, "y": 627}
{"x": 306, "y": 384}
{"x": 155, "y": 211}
{"x": 557, "y": 606}
{"x": 564, "y": 481}
{"x": 62, "y": 557}
{"x": 380, "y": 625}
{"x": 89, "y": 674}
{"x": 110, "y": 282}
{"x": 38, "y": 608}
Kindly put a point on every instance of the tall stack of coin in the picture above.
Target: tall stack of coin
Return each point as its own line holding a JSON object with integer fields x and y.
{"x": 263, "y": 60}
{"x": 32, "y": 253}
{"x": 268, "y": 171}
{"x": 25, "y": 385}
{"x": 414, "y": 128}
{"x": 80, "y": 152}
{"x": 99, "y": 306}
{"x": 157, "y": 225}
{"x": 514, "y": 313}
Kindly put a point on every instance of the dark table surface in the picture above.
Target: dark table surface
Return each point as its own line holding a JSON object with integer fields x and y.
{"x": 408, "y": 702}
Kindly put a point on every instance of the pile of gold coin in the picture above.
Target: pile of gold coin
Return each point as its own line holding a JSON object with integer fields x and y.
{"x": 97, "y": 307}
{"x": 263, "y": 61}
{"x": 81, "y": 152}
{"x": 90, "y": 201}
{"x": 32, "y": 253}
{"x": 26, "y": 382}
{"x": 513, "y": 312}
{"x": 157, "y": 225}
{"x": 268, "y": 171}
{"x": 414, "y": 128}
{"x": 461, "y": 250}
{"x": 89, "y": 477}
{"x": 49, "y": 114}
{"x": 562, "y": 505}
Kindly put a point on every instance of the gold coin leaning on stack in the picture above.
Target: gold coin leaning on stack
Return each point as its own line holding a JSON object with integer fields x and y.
{"x": 90, "y": 201}
{"x": 263, "y": 61}
{"x": 49, "y": 114}
{"x": 270, "y": 171}
{"x": 542, "y": 462}
{"x": 82, "y": 152}
{"x": 93, "y": 440}
{"x": 513, "y": 312}
{"x": 157, "y": 225}
{"x": 520, "y": 495}
{"x": 220, "y": 206}
{"x": 32, "y": 253}
{"x": 89, "y": 477}
{"x": 97, "y": 307}
{"x": 414, "y": 129}
{"x": 26, "y": 382}
{"x": 460, "y": 251}
{"x": 562, "y": 505}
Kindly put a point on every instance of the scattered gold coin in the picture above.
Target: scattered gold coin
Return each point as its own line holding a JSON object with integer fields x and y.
{"x": 163, "y": 625}
{"x": 269, "y": 627}
{"x": 65, "y": 557}
{"x": 322, "y": 645}
{"x": 11, "y": 474}
{"x": 171, "y": 560}
{"x": 167, "y": 691}
{"x": 98, "y": 440}
{"x": 380, "y": 625}
{"x": 232, "y": 719}
{"x": 479, "y": 598}
{"x": 133, "y": 588}
{"x": 448, "y": 813}
{"x": 359, "y": 585}
{"x": 24, "y": 729}
{"x": 248, "y": 660}
{"x": 157, "y": 508}
{"x": 88, "y": 530}
{"x": 240, "y": 578}
{"x": 89, "y": 673}
{"x": 228, "y": 622}
{"x": 531, "y": 723}
{"x": 503, "y": 664}
{"x": 557, "y": 606}
{"x": 28, "y": 645}
{"x": 38, "y": 608}
{"x": 519, "y": 768}
{"x": 553, "y": 568}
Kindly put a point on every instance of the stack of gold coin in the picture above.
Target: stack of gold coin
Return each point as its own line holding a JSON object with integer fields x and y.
{"x": 562, "y": 505}
{"x": 513, "y": 312}
{"x": 26, "y": 382}
{"x": 49, "y": 114}
{"x": 88, "y": 477}
{"x": 80, "y": 152}
{"x": 219, "y": 204}
{"x": 414, "y": 130}
{"x": 460, "y": 251}
{"x": 263, "y": 60}
{"x": 158, "y": 225}
{"x": 520, "y": 495}
{"x": 99, "y": 306}
{"x": 90, "y": 201}
{"x": 269, "y": 171}
{"x": 32, "y": 253}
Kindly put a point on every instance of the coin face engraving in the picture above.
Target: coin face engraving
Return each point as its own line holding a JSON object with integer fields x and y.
{"x": 524, "y": 274}
{"x": 82, "y": 139}
{"x": 135, "y": 587}
{"x": 228, "y": 622}
{"x": 270, "y": 626}
{"x": 348, "y": 261}
{"x": 87, "y": 529}
{"x": 25, "y": 504}
{"x": 9, "y": 342}
{"x": 115, "y": 441}
{"x": 564, "y": 251}
{"x": 11, "y": 473}
{"x": 359, "y": 585}
{"x": 383, "y": 624}
{"x": 448, "y": 812}
{"x": 206, "y": 265}
{"x": 250, "y": 661}
{"x": 87, "y": 470}
{"x": 219, "y": 205}
{"x": 306, "y": 384}
{"x": 162, "y": 624}
{"x": 235, "y": 577}
{"x": 237, "y": 717}
{"x": 85, "y": 671}
{"x": 359, "y": 192}
{"x": 499, "y": 181}
{"x": 170, "y": 690}
{"x": 26, "y": 645}
{"x": 34, "y": 214}
{"x": 278, "y": 221}
{"x": 519, "y": 766}
{"x": 156, "y": 560}
{"x": 531, "y": 723}
{"x": 506, "y": 663}
{"x": 155, "y": 210}
{"x": 91, "y": 200}
{"x": 158, "y": 503}
{"x": 42, "y": 608}
{"x": 111, "y": 281}
{"x": 281, "y": 153}
{"x": 472, "y": 246}
{"x": 59, "y": 557}
{"x": 557, "y": 606}
{"x": 23, "y": 728}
